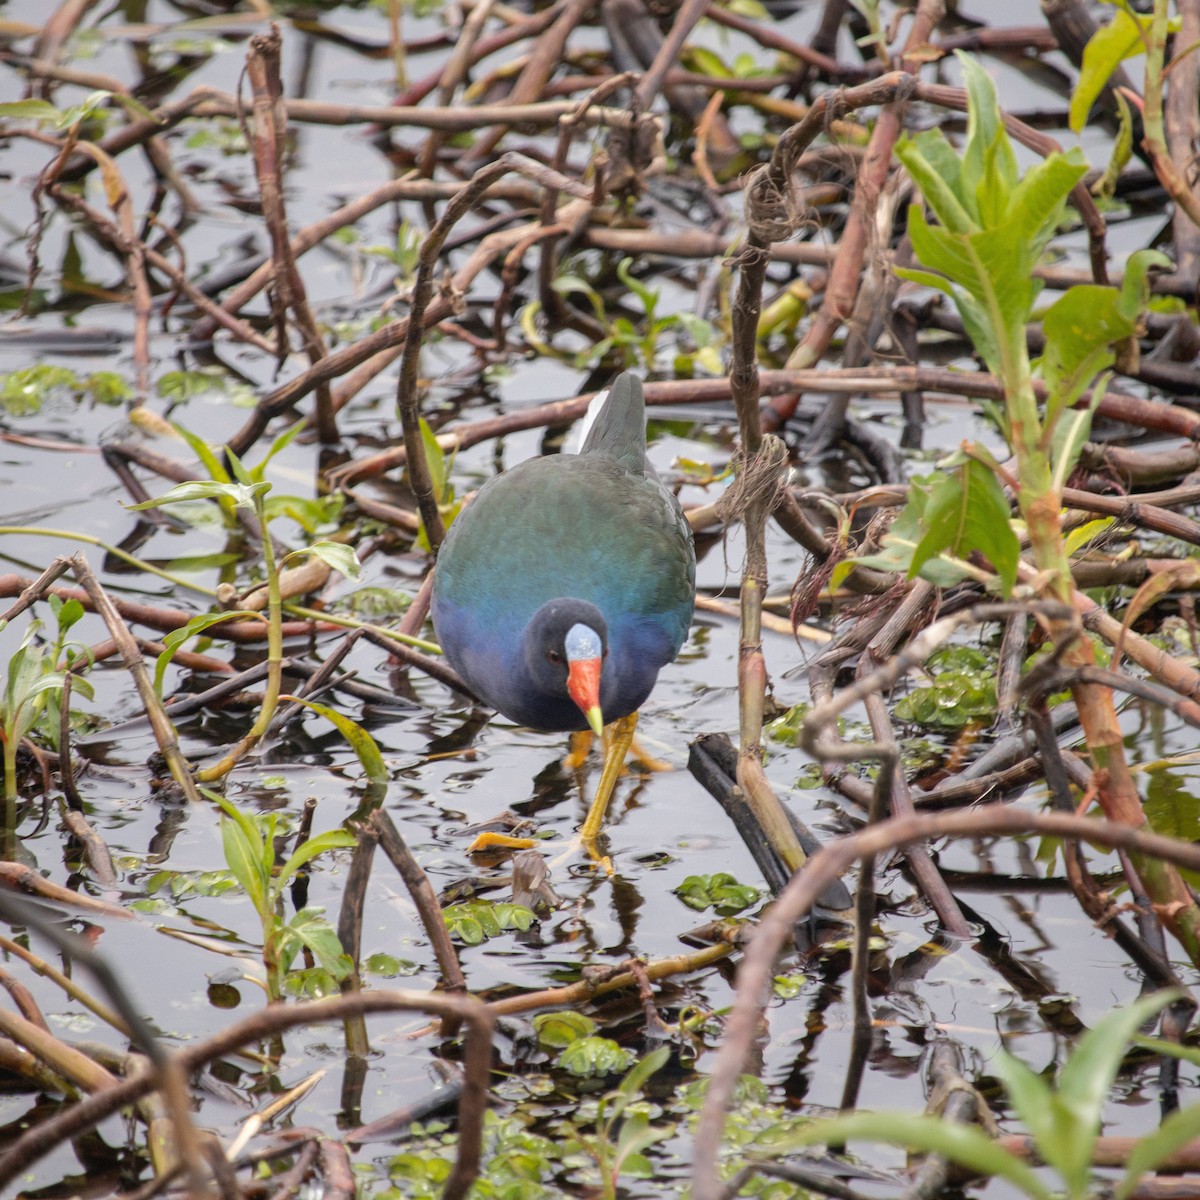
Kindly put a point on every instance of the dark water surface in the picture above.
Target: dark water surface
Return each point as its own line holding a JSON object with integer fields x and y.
{"x": 663, "y": 828}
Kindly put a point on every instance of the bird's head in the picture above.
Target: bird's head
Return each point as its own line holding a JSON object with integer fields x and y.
{"x": 566, "y": 645}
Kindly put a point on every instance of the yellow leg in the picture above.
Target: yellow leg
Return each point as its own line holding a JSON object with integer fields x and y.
{"x": 618, "y": 748}
{"x": 581, "y": 746}
{"x": 647, "y": 761}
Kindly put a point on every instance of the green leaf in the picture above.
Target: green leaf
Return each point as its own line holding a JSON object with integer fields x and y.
{"x": 285, "y": 439}
{"x": 558, "y": 1029}
{"x": 1085, "y": 1080}
{"x": 245, "y": 851}
{"x": 721, "y": 892}
{"x": 1082, "y": 325}
{"x": 1080, "y": 328}
{"x": 1122, "y": 151}
{"x": 963, "y": 690}
{"x": 243, "y": 856}
{"x": 309, "y": 512}
{"x": 1081, "y": 535}
{"x": 209, "y": 460}
{"x": 332, "y": 839}
{"x": 476, "y": 920}
{"x": 989, "y": 167}
{"x": 29, "y": 110}
{"x": 1070, "y": 433}
{"x": 241, "y": 495}
{"x": 967, "y": 511}
{"x": 648, "y": 1065}
{"x": 310, "y": 928}
{"x": 66, "y": 612}
{"x": 340, "y": 557}
{"x": 81, "y": 112}
{"x": 1135, "y": 286}
{"x": 1107, "y": 48}
{"x": 435, "y": 459}
{"x": 1039, "y": 199}
{"x": 241, "y": 473}
{"x": 637, "y": 1134}
{"x": 178, "y": 637}
{"x": 1156, "y": 1148}
{"x": 359, "y": 740}
{"x": 590, "y": 1056}
{"x": 1065, "y": 1123}
{"x": 388, "y": 966}
{"x": 647, "y": 296}
{"x": 934, "y": 167}
{"x": 966, "y": 1145}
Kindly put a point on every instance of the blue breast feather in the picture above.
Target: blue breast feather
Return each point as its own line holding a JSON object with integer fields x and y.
{"x": 580, "y": 526}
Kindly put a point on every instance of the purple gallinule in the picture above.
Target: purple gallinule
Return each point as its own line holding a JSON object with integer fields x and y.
{"x": 568, "y": 583}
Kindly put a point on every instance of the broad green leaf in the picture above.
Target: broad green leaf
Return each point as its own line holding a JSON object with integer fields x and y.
{"x": 721, "y": 891}
{"x": 340, "y": 557}
{"x": 925, "y": 157}
{"x": 1135, "y": 286}
{"x": 1122, "y": 151}
{"x": 66, "y": 612}
{"x": 962, "y": 690}
{"x": 29, "y": 110}
{"x": 245, "y": 853}
{"x": 332, "y": 839}
{"x": 243, "y": 856}
{"x": 594, "y": 1056}
{"x": 241, "y": 473}
{"x": 435, "y": 459}
{"x": 475, "y": 920}
{"x": 209, "y": 460}
{"x": 1039, "y": 199}
{"x": 1065, "y": 1122}
{"x": 967, "y": 511}
{"x": 989, "y": 167}
{"x": 1081, "y": 535}
{"x": 1070, "y": 433}
{"x": 558, "y": 1029}
{"x": 1088, "y": 1075}
{"x": 285, "y": 439}
{"x": 1107, "y": 48}
{"x": 1156, "y": 1148}
{"x": 360, "y": 741}
{"x": 648, "y": 1065}
{"x": 966, "y": 1145}
{"x": 978, "y": 328}
{"x": 1082, "y": 325}
{"x": 637, "y": 1134}
{"x": 27, "y": 709}
{"x": 309, "y": 512}
{"x": 178, "y": 637}
{"x": 389, "y": 966}
{"x": 310, "y": 928}
{"x": 242, "y": 496}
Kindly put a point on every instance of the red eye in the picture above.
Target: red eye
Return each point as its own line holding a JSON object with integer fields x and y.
{"x": 554, "y": 656}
